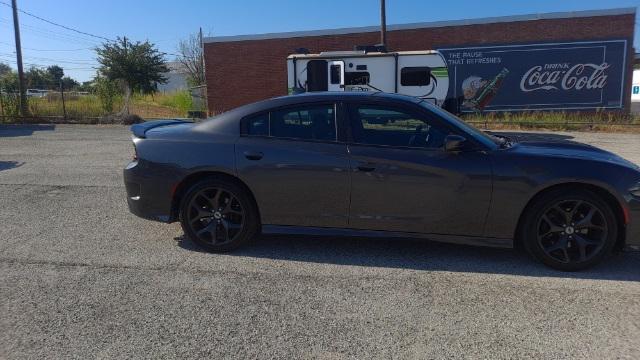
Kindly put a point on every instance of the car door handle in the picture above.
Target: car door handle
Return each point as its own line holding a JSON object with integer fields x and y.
{"x": 366, "y": 167}
{"x": 253, "y": 155}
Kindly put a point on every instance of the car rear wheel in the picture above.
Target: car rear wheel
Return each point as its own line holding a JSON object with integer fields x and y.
{"x": 218, "y": 215}
{"x": 570, "y": 230}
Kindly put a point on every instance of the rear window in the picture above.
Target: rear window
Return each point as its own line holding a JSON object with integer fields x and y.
{"x": 415, "y": 76}
{"x": 312, "y": 122}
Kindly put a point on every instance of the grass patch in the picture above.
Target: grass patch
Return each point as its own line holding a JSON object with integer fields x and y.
{"x": 568, "y": 121}
{"x": 79, "y": 107}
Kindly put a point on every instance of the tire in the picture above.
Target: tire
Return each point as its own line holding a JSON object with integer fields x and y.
{"x": 569, "y": 230}
{"x": 218, "y": 215}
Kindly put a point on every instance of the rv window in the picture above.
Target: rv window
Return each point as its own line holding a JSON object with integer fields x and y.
{"x": 258, "y": 125}
{"x": 312, "y": 122}
{"x": 415, "y": 76}
{"x": 356, "y": 78}
{"x": 335, "y": 74}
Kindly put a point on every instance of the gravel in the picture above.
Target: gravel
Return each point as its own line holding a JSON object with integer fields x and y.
{"x": 80, "y": 277}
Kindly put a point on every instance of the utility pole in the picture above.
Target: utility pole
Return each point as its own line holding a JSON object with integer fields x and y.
{"x": 203, "y": 89}
{"x": 383, "y": 23}
{"x": 201, "y": 52}
{"x": 21, "y": 86}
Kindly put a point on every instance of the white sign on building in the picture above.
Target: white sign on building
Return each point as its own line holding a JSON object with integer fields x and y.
{"x": 635, "y": 87}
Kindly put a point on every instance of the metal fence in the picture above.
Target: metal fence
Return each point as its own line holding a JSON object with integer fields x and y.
{"x": 81, "y": 107}
{"x": 50, "y": 106}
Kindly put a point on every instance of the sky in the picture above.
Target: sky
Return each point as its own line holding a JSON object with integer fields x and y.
{"x": 165, "y": 22}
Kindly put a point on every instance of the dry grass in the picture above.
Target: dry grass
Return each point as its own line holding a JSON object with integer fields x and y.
{"x": 88, "y": 107}
{"x": 557, "y": 121}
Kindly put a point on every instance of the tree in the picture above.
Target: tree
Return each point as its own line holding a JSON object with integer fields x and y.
{"x": 55, "y": 73}
{"x": 4, "y": 69}
{"x": 37, "y": 78}
{"x": 190, "y": 56}
{"x": 88, "y": 86}
{"x": 69, "y": 83}
{"x": 136, "y": 66}
{"x": 9, "y": 81}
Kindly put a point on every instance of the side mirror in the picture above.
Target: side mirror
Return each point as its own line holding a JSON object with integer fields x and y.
{"x": 454, "y": 143}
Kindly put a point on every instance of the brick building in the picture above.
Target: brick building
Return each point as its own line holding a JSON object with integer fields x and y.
{"x": 247, "y": 68}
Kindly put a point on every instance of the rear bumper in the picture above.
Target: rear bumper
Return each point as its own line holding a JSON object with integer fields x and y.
{"x": 148, "y": 196}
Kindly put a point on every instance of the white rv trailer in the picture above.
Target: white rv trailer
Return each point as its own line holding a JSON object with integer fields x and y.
{"x": 417, "y": 73}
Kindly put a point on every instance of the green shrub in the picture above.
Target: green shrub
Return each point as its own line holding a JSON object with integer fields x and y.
{"x": 108, "y": 91}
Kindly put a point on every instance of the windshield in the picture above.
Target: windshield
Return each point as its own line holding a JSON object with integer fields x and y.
{"x": 487, "y": 139}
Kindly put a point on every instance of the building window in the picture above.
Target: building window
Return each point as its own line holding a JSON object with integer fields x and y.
{"x": 415, "y": 76}
{"x": 311, "y": 122}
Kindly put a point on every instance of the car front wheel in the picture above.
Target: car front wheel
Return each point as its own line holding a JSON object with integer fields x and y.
{"x": 218, "y": 215}
{"x": 570, "y": 230}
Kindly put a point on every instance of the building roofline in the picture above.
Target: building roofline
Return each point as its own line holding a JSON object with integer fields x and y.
{"x": 423, "y": 25}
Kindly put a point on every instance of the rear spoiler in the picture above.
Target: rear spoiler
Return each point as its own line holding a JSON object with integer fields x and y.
{"x": 140, "y": 130}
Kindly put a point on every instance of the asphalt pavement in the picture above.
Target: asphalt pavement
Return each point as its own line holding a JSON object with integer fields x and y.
{"x": 80, "y": 277}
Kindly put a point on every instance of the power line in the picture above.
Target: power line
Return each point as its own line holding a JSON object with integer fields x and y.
{"x": 32, "y": 49}
{"x": 68, "y": 61}
{"x": 37, "y": 65}
{"x": 59, "y": 25}
{"x": 53, "y": 35}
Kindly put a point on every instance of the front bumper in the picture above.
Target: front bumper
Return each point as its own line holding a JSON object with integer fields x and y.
{"x": 633, "y": 226}
{"x": 149, "y": 195}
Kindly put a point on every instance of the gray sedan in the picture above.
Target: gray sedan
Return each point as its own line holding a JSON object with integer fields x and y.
{"x": 380, "y": 165}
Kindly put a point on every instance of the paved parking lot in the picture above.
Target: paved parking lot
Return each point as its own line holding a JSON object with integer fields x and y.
{"x": 81, "y": 277}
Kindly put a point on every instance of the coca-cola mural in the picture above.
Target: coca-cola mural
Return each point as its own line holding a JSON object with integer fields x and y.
{"x": 558, "y": 76}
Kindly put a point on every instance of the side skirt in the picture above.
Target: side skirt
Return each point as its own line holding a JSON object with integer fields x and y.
{"x": 320, "y": 231}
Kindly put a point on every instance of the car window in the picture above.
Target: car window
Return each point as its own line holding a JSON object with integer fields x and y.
{"x": 258, "y": 125}
{"x": 311, "y": 122}
{"x": 379, "y": 125}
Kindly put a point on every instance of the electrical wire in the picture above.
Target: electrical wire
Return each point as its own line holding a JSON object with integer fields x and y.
{"x": 56, "y": 24}
{"x": 54, "y": 50}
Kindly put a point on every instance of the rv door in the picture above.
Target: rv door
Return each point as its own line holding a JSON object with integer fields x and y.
{"x": 336, "y": 75}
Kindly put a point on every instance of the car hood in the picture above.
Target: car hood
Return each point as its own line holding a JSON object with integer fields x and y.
{"x": 570, "y": 149}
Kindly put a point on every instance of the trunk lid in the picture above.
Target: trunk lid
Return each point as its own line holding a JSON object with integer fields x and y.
{"x": 140, "y": 130}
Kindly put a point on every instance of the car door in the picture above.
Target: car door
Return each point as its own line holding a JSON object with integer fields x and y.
{"x": 293, "y": 163}
{"x": 403, "y": 179}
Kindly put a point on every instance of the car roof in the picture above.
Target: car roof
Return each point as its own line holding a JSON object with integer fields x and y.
{"x": 227, "y": 121}
{"x": 339, "y": 95}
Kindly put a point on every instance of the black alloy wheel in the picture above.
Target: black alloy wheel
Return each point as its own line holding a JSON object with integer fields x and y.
{"x": 218, "y": 215}
{"x": 570, "y": 231}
